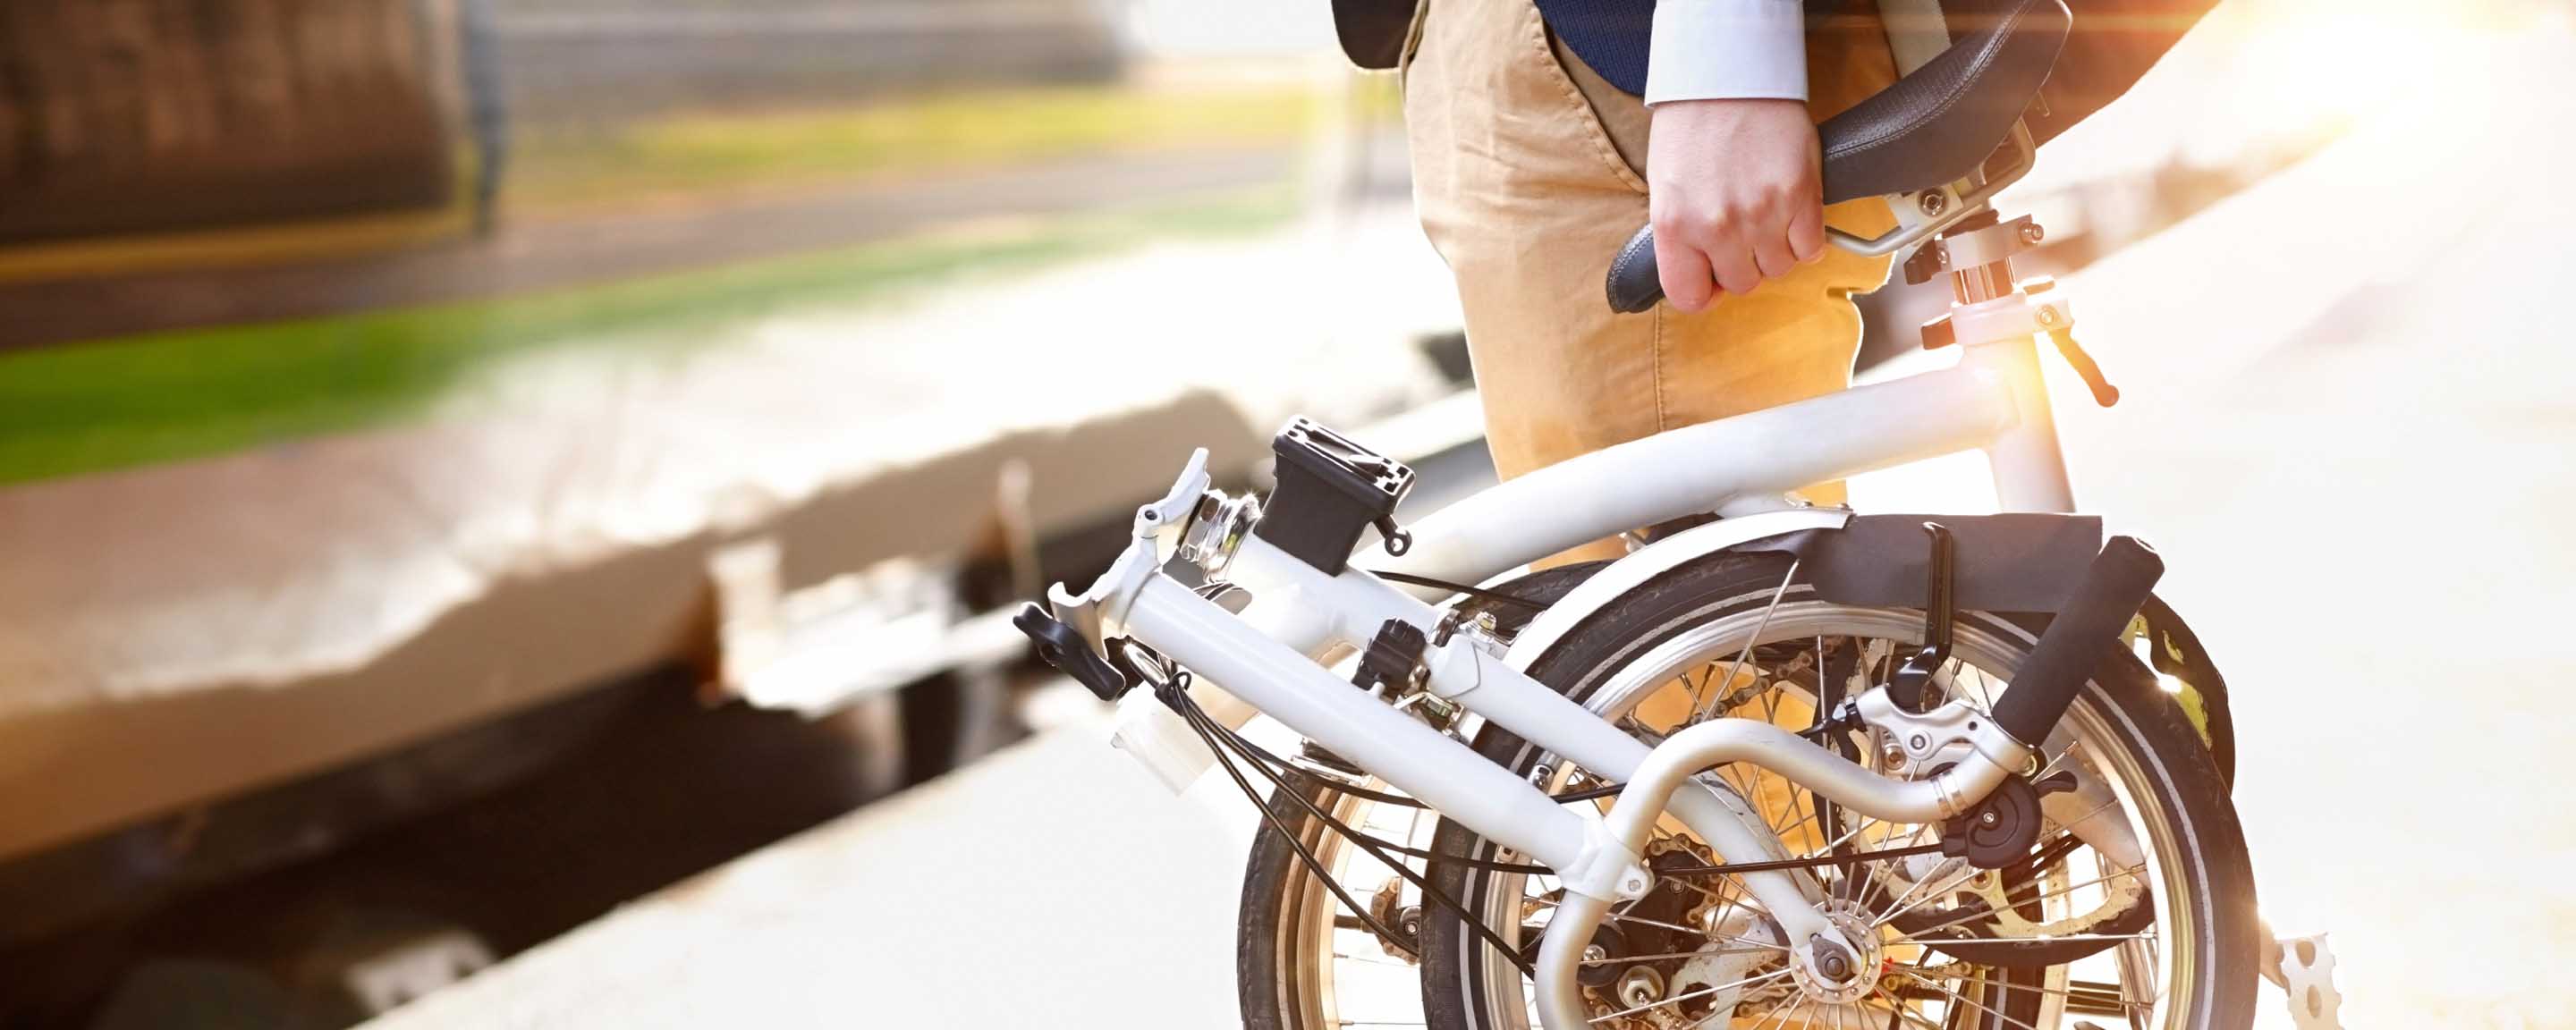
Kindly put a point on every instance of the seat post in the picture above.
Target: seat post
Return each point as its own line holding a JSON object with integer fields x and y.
{"x": 1999, "y": 320}
{"x": 1977, "y": 254}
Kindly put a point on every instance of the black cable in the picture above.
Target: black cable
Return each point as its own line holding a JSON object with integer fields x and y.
{"x": 1264, "y": 756}
{"x": 1313, "y": 865}
{"x": 1258, "y": 756}
{"x": 1589, "y": 793}
{"x": 1496, "y": 596}
{"x": 1731, "y": 868}
{"x": 1199, "y": 720}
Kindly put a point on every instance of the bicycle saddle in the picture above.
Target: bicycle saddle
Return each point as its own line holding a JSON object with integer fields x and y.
{"x": 1931, "y": 127}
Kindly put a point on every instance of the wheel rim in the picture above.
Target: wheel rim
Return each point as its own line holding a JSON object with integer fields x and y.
{"x": 1322, "y": 958}
{"x": 1322, "y": 966}
{"x": 1649, "y": 667}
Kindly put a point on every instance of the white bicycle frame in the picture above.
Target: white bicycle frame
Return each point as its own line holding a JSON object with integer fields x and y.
{"x": 1271, "y": 656}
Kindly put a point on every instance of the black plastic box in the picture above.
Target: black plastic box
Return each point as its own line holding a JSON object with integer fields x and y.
{"x": 1330, "y": 489}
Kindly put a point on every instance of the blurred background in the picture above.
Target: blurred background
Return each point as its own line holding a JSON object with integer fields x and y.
{"x": 509, "y": 508}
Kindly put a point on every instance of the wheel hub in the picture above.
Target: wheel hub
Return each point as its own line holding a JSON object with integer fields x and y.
{"x": 1834, "y": 975}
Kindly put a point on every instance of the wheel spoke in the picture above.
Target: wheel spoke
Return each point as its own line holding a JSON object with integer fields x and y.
{"x": 1985, "y": 689}
{"x": 2015, "y": 898}
{"x": 2051, "y": 765}
{"x": 1616, "y": 917}
{"x": 2069, "y": 824}
{"x": 1777, "y": 1013}
{"x": 1810, "y": 817}
{"x": 2142, "y": 936}
{"x": 1760, "y": 947}
{"x": 1911, "y": 839}
{"x": 1741, "y": 897}
{"x": 2116, "y": 995}
{"x": 1699, "y": 711}
{"x": 1961, "y": 998}
{"x": 1866, "y": 823}
{"x": 1895, "y": 911}
{"x": 1680, "y": 998}
{"x": 1896, "y": 1008}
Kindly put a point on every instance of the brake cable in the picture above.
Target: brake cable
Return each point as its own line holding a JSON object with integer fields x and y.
{"x": 1173, "y": 692}
{"x": 1480, "y": 593}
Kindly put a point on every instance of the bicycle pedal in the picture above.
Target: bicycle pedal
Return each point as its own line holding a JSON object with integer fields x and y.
{"x": 2305, "y": 972}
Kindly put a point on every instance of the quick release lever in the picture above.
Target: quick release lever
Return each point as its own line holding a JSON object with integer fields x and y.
{"x": 2104, "y": 393}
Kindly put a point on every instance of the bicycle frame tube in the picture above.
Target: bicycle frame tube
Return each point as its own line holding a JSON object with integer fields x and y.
{"x": 1286, "y": 686}
{"x": 1487, "y": 685}
{"x": 2029, "y": 470}
{"x": 1993, "y": 399}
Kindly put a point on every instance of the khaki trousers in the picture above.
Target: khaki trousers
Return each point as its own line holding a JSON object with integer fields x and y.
{"x": 1526, "y": 172}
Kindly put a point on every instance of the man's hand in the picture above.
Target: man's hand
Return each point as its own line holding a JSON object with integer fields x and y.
{"x": 1735, "y": 194}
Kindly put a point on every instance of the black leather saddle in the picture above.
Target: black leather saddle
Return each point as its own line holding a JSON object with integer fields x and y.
{"x": 1932, "y": 127}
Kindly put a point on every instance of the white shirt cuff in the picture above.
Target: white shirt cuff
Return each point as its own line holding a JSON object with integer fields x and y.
{"x": 1727, "y": 50}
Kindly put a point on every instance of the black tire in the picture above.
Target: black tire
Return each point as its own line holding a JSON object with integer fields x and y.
{"x": 2185, "y": 783}
{"x": 1275, "y": 889}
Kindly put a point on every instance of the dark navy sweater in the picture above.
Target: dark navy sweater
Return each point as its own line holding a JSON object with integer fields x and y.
{"x": 1609, "y": 35}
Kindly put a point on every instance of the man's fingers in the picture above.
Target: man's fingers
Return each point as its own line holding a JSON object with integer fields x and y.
{"x": 1732, "y": 263}
{"x": 1683, "y": 271}
{"x": 1732, "y": 187}
{"x": 1771, "y": 254}
{"x": 1807, "y": 233}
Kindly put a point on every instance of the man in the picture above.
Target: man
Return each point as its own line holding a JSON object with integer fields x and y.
{"x": 1530, "y": 126}
{"x": 1531, "y": 122}
{"x": 486, "y": 116}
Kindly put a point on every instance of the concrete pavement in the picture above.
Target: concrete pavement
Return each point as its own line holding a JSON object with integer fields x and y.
{"x": 1056, "y": 885}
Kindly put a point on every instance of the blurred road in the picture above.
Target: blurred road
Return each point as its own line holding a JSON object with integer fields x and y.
{"x": 2350, "y": 429}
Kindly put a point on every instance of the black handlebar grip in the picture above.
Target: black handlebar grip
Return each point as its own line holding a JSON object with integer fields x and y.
{"x": 1635, "y": 285}
{"x": 2114, "y": 588}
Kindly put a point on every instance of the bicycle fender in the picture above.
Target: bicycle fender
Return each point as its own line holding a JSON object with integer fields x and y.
{"x": 1655, "y": 559}
{"x": 2022, "y": 563}
{"x": 2017, "y": 562}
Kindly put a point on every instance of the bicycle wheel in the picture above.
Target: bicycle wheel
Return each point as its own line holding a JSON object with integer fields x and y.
{"x": 2136, "y": 904}
{"x": 1301, "y": 963}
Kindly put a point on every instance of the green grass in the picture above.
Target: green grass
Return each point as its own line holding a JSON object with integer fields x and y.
{"x": 169, "y": 396}
{"x": 684, "y": 154}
